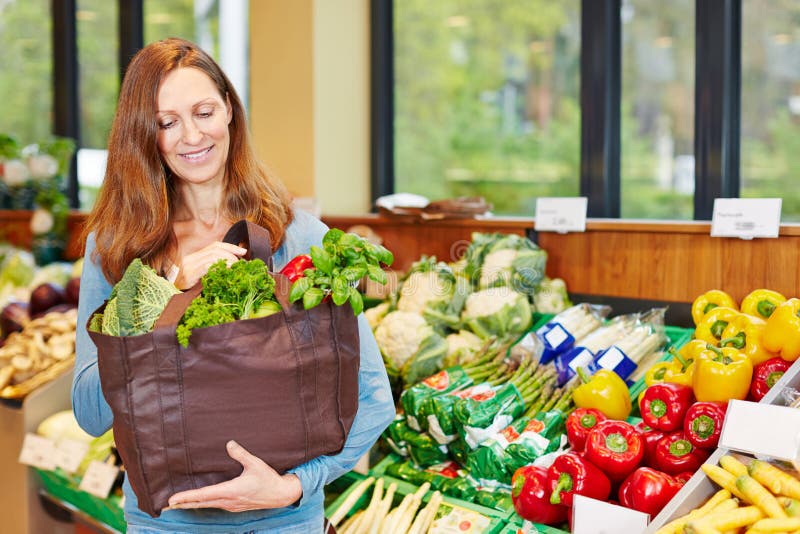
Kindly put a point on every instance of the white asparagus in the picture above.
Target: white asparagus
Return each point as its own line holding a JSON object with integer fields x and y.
{"x": 385, "y": 504}
{"x": 369, "y": 515}
{"x": 396, "y": 515}
{"x": 350, "y": 501}
{"x": 347, "y": 527}
{"x": 426, "y": 515}
{"x": 404, "y": 521}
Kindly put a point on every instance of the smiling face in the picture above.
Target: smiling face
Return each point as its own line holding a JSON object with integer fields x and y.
{"x": 193, "y": 119}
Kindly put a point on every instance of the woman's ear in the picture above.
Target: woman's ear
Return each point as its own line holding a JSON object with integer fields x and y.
{"x": 229, "y": 108}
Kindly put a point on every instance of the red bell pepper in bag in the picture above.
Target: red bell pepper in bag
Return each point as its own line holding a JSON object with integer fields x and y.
{"x": 675, "y": 454}
{"x": 648, "y": 490}
{"x": 664, "y": 405}
{"x": 616, "y": 447}
{"x": 571, "y": 475}
{"x": 703, "y": 423}
{"x": 530, "y": 494}
{"x": 650, "y": 438}
{"x": 765, "y": 375}
{"x": 296, "y": 267}
{"x": 578, "y": 425}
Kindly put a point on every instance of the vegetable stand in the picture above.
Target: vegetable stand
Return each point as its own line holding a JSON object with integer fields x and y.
{"x": 700, "y": 487}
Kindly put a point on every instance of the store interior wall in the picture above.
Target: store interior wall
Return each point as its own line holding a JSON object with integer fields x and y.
{"x": 309, "y": 98}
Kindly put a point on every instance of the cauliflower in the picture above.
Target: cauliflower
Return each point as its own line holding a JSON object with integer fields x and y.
{"x": 461, "y": 347}
{"x": 505, "y": 259}
{"x": 409, "y": 345}
{"x": 376, "y": 314}
{"x": 497, "y": 311}
{"x": 551, "y": 297}
{"x": 496, "y": 269}
{"x": 421, "y": 288}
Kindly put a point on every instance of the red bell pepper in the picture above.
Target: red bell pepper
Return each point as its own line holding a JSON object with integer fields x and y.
{"x": 703, "y": 423}
{"x": 648, "y": 490}
{"x": 650, "y": 437}
{"x": 765, "y": 375}
{"x": 296, "y": 267}
{"x": 530, "y": 494}
{"x": 572, "y": 474}
{"x": 675, "y": 454}
{"x": 615, "y": 447}
{"x": 665, "y": 404}
{"x": 579, "y": 423}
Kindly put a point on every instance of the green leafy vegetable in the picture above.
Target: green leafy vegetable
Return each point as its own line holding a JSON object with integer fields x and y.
{"x": 136, "y": 302}
{"x": 242, "y": 291}
{"x": 339, "y": 264}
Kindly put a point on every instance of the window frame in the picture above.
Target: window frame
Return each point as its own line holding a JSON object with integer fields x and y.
{"x": 717, "y": 103}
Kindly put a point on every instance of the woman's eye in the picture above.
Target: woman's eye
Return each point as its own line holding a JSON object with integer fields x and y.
{"x": 205, "y": 114}
{"x": 166, "y": 125}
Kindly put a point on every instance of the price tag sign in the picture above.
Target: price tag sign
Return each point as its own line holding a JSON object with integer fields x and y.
{"x": 70, "y": 453}
{"x": 590, "y": 516}
{"x": 99, "y": 478}
{"x": 556, "y": 336}
{"x": 761, "y": 429}
{"x": 746, "y": 218}
{"x": 561, "y": 214}
{"x": 38, "y": 451}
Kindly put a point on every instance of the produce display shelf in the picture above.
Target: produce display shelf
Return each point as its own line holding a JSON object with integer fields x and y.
{"x": 64, "y": 487}
{"x": 700, "y": 488}
{"x": 497, "y": 519}
{"x": 677, "y": 337}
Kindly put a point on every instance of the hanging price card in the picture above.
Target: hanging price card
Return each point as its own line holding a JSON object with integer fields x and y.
{"x": 746, "y": 218}
{"x": 70, "y": 453}
{"x": 99, "y": 478}
{"x": 591, "y": 516}
{"x": 762, "y": 429}
{"x": 561, "y": 214}
{"x": 38, "y": 451}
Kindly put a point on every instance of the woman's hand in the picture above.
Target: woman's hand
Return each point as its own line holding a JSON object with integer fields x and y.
{"x": 258, "y": 487}
{"x": 193, "y": 266}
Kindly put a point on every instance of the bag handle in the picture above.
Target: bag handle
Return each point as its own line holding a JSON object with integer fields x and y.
{"x": 257, "y": 242}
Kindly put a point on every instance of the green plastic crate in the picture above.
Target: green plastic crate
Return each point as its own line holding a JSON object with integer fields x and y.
{"x": 515, "y": 523}
{"x": 677, "y": 337}
{"x": 64, "y": 487}
{"x": 497, "y": 519}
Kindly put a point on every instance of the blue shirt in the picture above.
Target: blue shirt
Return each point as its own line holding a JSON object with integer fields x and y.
{"x": 375, "y": 409}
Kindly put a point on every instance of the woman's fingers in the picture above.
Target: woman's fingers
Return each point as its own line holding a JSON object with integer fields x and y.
{"x": 195, "y": 265}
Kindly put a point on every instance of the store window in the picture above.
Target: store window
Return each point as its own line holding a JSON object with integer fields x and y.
{"x": 486, "y": 100}
{"x": 99, "y": 86}
{"x": 770, "y": 123}
{"x": 200, "y": 21}
{"x": 26, "y": 70}
{"x": 657, "y": 115}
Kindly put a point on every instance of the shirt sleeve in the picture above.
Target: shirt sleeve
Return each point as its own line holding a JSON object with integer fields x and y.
{"x": 90, "y": 407}
{"x": 375, "y": 404}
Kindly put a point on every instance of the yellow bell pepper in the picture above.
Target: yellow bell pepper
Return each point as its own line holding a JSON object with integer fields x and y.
{"x": 761, "y": 303}
{"x": 604, "y": 391}
{"x": 722, "y": 374}
{"x": 744, "y": 333}
{"x": 677, "y": 371}
{"x": 782, "y": 332}
{"x": 690, "y": 350}
{"x": 709, "y": 300}
{"x": 710, "y": 328}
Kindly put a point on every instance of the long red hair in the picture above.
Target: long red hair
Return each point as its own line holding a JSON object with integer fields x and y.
{"x": 133, "y": 214}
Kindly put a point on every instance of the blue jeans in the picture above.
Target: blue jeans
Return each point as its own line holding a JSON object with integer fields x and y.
{"x": 307, "y": 527}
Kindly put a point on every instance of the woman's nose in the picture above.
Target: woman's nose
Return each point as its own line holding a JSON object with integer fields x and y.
{"x": 191, "y": 133}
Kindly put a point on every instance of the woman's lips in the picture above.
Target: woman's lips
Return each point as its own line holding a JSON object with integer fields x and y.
{"x": 196, "y": 156}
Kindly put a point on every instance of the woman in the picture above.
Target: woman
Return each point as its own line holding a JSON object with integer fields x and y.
{"x": 180, "y": 171}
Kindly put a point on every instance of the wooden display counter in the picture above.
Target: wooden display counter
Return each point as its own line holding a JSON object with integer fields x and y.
{"x": 669, "y": 261}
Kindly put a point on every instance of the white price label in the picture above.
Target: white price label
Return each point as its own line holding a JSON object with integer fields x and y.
{"x": 38, "y": 451}
{"x": 746, "y": 218}
{"x": 99, "y": 478}
{"x": 70, "y": 453}
{"x": 583, "y": 359}
{"x": 611, "y": 358}
{"x": 561, "y": 214}
{"x": 590, "y": 516}
{"x": 556, "y": 336}
{"x": 762, "y": 429}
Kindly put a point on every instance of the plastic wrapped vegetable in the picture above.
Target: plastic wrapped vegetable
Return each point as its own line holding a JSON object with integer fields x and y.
{"x": 505, "y": 260}
{"x": 499, "y": 312}
{"x": 410, "y": 346}
{"x": 479, "y": 419}
{"x": 441, "y": 383}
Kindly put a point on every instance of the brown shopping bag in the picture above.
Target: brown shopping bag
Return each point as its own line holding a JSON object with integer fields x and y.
{"x": 284, "y": 386}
